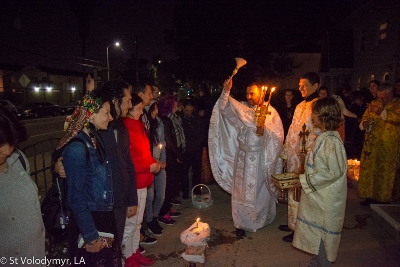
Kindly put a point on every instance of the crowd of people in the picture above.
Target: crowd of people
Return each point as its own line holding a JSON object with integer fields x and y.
{"x": 129, "y": 155}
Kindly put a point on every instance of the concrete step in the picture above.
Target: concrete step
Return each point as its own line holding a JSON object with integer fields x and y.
{"x": 388, "y": 216}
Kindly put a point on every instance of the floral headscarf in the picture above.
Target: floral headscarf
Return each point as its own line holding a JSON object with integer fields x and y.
{"x": 80, "y": 118}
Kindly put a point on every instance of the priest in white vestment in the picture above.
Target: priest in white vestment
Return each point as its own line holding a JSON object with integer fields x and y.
{"x": 308, "y": 87}
{"x": 241, "y": 161}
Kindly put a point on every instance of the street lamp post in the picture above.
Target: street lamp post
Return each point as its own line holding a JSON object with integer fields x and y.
{"x": 108, "y": 63}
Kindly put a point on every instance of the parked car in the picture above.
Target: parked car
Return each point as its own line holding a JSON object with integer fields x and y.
{"x": 10, "y": 106}
{"x": 68, "y": 108}
{"x": 39, "y": 109}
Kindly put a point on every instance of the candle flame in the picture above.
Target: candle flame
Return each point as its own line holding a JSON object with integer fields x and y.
{"x": 198, "y": 219}
{"x": 160, "y": 146}
{"x": 272, "y": 89}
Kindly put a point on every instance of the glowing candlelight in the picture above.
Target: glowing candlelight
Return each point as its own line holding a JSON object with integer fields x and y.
{"x": 197, "y": 221}
{"x": 159, "y": 152}
{"x": 264, "y": 90}
{"x": 270, "y": 94}
{"x": 201, "y": 190}
{"x": 356, "y": 169}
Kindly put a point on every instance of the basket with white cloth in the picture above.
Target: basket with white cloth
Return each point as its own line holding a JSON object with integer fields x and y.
{"x": 204, "y": 200}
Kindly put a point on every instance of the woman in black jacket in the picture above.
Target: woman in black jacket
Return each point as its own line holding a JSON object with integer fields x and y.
{"x": 175, "y": 147}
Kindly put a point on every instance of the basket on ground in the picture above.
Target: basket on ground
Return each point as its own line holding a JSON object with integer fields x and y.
{"x": 285, "y": 180}
{"x": 202, "y": 200}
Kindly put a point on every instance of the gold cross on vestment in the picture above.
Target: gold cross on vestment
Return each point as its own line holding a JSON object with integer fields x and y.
{"x": 303, "y": 134}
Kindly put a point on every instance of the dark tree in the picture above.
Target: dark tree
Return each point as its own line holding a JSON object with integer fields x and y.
{"x": 83, "y": 10}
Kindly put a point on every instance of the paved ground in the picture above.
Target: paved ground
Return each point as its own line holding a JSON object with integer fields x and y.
{"x": 364, "y": 242}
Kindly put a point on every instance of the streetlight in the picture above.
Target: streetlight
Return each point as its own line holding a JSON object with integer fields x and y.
{"x": 108, "y": 63}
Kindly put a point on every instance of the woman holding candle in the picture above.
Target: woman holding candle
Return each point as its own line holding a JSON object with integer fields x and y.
{"x": 145, "y": 167}
{"x": 156, "y": 191}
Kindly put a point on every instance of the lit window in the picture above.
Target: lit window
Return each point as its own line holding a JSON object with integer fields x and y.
{"x": 386, "y": 76}
{"x": 382, "y": 31}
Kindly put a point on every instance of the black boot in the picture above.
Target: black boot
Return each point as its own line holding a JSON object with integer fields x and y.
{"x": 284, "y": 227}
{"x": 154, "y": 227}
{"x": 288, "y": 238}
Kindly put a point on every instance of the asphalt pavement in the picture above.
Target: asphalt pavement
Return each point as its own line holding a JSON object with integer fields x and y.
{"x": 365, "y": 243}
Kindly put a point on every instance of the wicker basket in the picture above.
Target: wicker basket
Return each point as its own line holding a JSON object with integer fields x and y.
{"x": 285, "y": 180}
{"x": 204, "y": 200}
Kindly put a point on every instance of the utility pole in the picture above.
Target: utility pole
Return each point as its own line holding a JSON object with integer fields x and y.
{"x": 137, "y": 58}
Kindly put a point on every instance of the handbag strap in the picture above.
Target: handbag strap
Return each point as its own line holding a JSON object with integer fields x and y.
{"x": 21, "y": 159}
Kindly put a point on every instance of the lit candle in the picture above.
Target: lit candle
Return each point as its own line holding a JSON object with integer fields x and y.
{"x": 269, "y": 99}
{"x": 197, "y": 221}
{"x": 261, "y": 101}
{"x": 356, "y": 169}
{"x": 159, "y": 152}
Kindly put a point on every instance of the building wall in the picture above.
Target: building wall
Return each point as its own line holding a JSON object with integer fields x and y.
{"x": 303, "y": 62}
{"x": 373, "y": 57}
{"x": 61, "y": 87}
{"x": 336, "y": 78}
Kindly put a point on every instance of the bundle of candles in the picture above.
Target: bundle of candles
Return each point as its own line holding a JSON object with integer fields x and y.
{"x": 261, "y": 111}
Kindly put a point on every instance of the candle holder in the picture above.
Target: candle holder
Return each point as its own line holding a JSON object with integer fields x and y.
{"x": 261, "y": 111}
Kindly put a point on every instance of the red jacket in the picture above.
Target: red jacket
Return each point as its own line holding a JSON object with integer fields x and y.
{"x": 140, "y": 152}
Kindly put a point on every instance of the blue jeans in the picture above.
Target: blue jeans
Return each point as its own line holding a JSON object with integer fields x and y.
{"x": 157, "y": 188}
{"x": 320, "y": 260}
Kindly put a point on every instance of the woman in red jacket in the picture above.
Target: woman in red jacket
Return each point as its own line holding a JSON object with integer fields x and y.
{"x": 145, "y": 167}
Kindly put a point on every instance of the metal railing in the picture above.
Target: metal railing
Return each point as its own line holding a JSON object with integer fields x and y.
{"x": 39, "y": 157}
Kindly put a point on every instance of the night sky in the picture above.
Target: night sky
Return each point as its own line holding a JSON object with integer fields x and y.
{"x": 47, "y": 32}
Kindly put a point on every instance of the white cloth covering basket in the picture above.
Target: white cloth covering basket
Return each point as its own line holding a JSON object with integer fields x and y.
{"x": 204, "y": 200}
